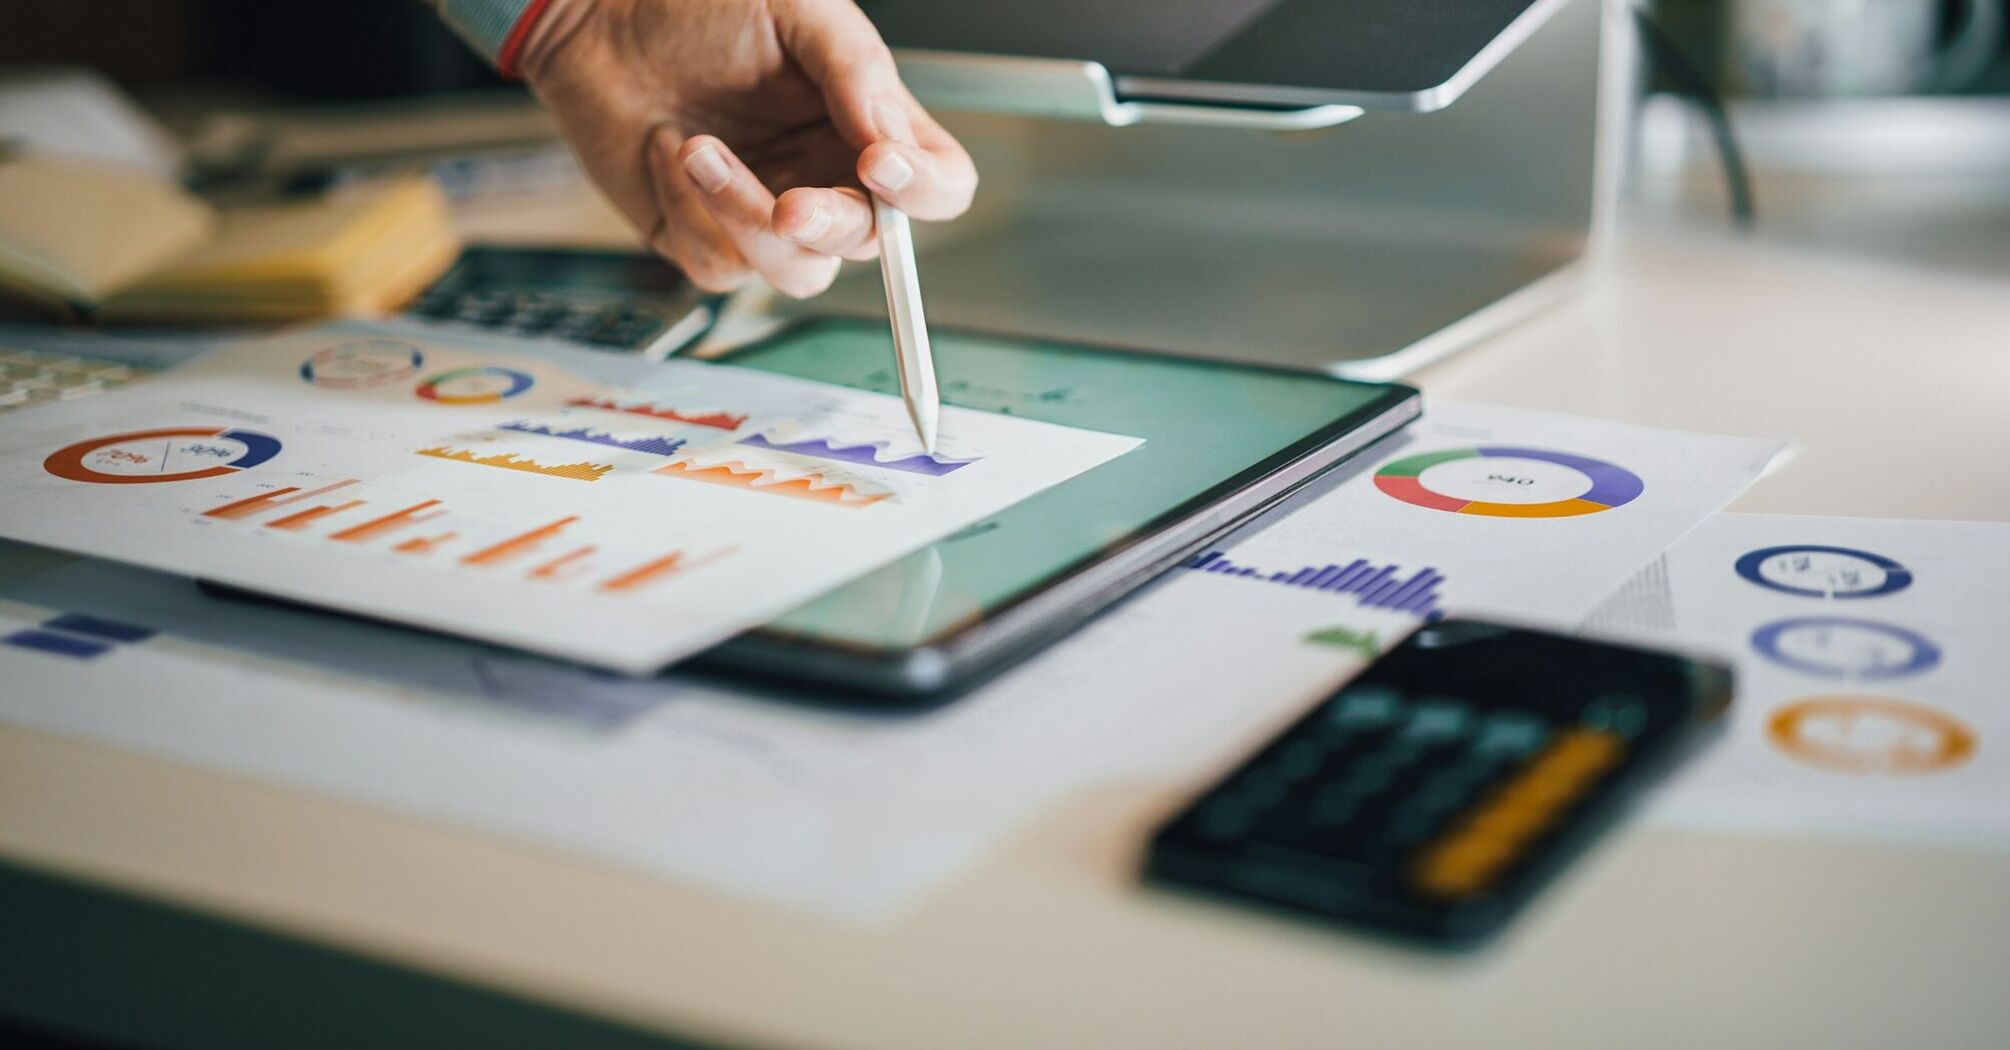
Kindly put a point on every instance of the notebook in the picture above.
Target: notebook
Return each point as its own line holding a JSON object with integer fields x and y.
{"x": 114, "y": 244}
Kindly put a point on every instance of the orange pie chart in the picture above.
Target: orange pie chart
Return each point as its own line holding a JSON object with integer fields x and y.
{"x": 1870, "y": 735}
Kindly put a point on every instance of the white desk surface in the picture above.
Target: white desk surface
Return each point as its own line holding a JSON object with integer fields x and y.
{"x": 1896, "y": 381}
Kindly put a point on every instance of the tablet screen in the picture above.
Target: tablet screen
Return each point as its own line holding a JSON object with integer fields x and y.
{"x": 1204, "y": 424}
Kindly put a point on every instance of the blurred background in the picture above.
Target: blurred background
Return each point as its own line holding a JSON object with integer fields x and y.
{"x": 1862, "y": 126}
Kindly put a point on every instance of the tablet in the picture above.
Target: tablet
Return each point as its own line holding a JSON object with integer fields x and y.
{"x": 1222, "y": 442}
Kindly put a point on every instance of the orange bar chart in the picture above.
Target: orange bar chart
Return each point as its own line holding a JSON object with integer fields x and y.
{"x": 650, "y": 571}
{"x": 391, "y": 522}
{"x": 645, "y": 573}
{"x": 519, "y": 544}
{"x": 424, "y": 544}
{"x": 263, "y": 502}
{"x": 300, "y": 520}
{"x": 550, "y": 570}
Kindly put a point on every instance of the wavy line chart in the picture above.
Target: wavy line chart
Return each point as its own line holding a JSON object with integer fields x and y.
{"x": 512, "y": 461}
{"x": 810, "y": 486}
{"x": 718, "y": 420}
{"x": 655, "y": 445}
{"x": 868, "y": 454}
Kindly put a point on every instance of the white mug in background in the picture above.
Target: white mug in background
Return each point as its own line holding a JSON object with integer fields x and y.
{"x": 1834, "y": 48}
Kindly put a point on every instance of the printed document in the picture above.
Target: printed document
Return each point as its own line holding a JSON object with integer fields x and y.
{"x": 1870, "y": 674}
{"x": 563, "y": 501}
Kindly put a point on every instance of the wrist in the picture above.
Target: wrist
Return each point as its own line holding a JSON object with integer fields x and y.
{"x": 545, "y": 34}
{"x": 501, "y": 30}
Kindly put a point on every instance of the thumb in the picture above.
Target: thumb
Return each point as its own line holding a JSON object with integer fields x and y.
{"x": 840, "y": 50}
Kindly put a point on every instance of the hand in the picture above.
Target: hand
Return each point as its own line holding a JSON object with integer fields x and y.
{"x": 737, "y": 134}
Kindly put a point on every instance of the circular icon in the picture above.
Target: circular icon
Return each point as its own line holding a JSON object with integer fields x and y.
{"x": 475, "y": 386}
{"x": 1870, "y": 734}
{"x": 366, "y": 363}
{"x": 1824, "y": 572}
{"x": 149, "y": 456}
{"x": 1838, "y": 647}
{"x": 1506, "y": 482}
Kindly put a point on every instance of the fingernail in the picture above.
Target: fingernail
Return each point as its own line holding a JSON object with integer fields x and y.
{"x": 893, "y": 172}
{"x": 892, "y": 122}
{"x": 812, "y": 227}
{"x": 708, "y": 169}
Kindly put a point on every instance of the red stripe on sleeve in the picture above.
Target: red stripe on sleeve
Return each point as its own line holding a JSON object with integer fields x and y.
{"x": 512, "y": 47}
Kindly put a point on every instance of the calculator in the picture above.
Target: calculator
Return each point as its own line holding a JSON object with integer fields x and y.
{"x": 1435, "y": 794}
{"x": 628, "y": 302}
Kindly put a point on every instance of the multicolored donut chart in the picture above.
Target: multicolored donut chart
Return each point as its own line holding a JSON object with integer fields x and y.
{"x": 480, "y": 385}
{"x": 1496, "y": 481}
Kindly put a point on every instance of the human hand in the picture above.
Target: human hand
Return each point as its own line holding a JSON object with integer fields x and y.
{"x": 741, "y": 136}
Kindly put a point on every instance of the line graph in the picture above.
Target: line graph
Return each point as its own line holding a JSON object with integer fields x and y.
{"x": 512, "y": 461}
{"x": 1372, "y": 586}
{"x": 870, "y": 454}
{"x": 811, "y": 486}
{"x": 718, "y": 419}
{"x": 654, "y": 444}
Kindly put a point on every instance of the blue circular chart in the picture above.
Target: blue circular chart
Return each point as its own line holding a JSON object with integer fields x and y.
{"x": 1841, "y": 647}
{"x": 1815, "y": 571}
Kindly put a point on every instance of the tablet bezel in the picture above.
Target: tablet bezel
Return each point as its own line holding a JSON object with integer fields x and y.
{"x": 961, "y": 656}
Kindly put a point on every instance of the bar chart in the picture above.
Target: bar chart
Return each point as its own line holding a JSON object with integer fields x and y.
{"x": 348, "y": 513}
{"x": 654, "y": 444}
{"x": 583, "y": 471}
{"x": 716, "y": 419}
{"x": 1371, "y": 586}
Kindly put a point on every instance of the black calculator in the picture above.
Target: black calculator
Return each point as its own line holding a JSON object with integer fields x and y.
{"x": 1435, "y": 794}
{"x": 627, "y": 302}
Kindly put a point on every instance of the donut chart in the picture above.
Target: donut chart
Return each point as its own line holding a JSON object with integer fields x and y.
{"x": 1847, "y": 648}
{"x": 362, "y": 364}
{"x": 143, "y": 457}
{"x": 1505, "y": 481}
{"x": 1816, "y": 571}
{"x": 1870, "y": 735}
{"x": 481, "y": 385}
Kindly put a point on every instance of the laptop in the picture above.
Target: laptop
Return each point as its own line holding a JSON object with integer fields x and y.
{"x": 1409, "y": 55}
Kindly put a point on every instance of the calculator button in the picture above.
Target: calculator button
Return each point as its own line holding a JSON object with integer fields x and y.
{"x": 1510, "y": 734}
{"x": 1436, "y": 720}
{"x": 1479, "y": 850}
{"x": 1263, "y": 787}
{"x": 1364, "y": 707}
{"x": 1333, "y": 806}
{"x": 1622, "y": 713}
{"x": 1223, "y": 819}
{"x": 1300, "y": 759}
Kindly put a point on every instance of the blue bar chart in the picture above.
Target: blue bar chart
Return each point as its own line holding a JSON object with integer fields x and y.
{"x": 1372, "y": 586}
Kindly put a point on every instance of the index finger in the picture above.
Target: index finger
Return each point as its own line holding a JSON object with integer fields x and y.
{"x": 919, "y": 168}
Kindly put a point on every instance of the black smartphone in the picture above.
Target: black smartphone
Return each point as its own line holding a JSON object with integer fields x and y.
{"x": 1436, "y": 793}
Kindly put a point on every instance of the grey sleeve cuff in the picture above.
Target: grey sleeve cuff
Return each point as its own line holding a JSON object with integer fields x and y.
{"x": 484, "y": 24}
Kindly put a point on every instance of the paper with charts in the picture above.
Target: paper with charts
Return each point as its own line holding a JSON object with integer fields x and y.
{"x": 1870, "y": 668}
{"x": 572, "y": 503}
{"x": 832, "y": 811}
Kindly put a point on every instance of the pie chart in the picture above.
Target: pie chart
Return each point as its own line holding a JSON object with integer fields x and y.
{"x": 143, "y": 457}
{"x": 1505, "y": 481}
{"x": 358, "y": 365}
{"x": 480, "y": 385}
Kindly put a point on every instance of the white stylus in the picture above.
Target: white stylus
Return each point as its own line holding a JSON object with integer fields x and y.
{"x": 913, "y": 360}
